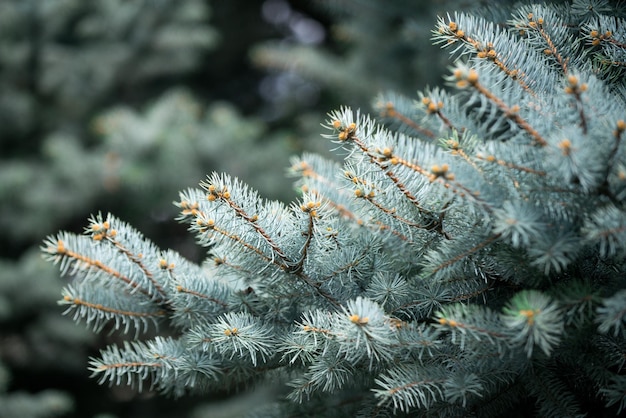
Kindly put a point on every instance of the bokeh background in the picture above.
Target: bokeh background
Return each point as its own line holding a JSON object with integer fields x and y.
{"x": 116, "y": 105}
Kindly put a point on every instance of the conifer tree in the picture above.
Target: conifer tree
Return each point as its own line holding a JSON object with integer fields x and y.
{"x": 468, "y": 257}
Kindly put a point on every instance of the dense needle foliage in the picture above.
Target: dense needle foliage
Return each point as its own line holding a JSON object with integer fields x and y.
{"x": 467, "y": 257}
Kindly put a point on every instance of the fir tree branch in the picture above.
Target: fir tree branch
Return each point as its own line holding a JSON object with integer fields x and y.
{"x": 536, "y": 24}
{"x": 223, "y": 194}
{"x": 493, "y": 159}
{"x": 433, "y": 277}
{"x": 72, "y": 262}
{"x": 390, "y": 111}
{"x": 469, "y": 78}
{"x": 207, "y": 227}
{"x": 453, "y": 32}
{"x": 369, "y": 197}
{"x": 310, "y": 209}
{"x": 407, "y": 388}
{"x": 474, "y": 322}
{"x": 576, "y": 89}
{"x": 109, "y": 311}
{"x": 321, "y": 185}
{"x": 100, "y": 307}
{"x": 181, "y": 289}
{"x": 433, "y": 108}
{"x": 466, "y": 253}
{"x": 105, "y": 229}
{"x": 383, "y": 160}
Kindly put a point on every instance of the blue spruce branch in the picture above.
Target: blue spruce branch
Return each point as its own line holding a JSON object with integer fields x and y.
{"x": 459, "y": 258}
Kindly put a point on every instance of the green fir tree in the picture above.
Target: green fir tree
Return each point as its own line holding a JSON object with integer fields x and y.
{"x": 468, "y": 257}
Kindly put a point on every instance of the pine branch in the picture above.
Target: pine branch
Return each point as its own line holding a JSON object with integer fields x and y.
{"x": 464, "y": 29}
{"x": 613, "y": 314}
{"x": 101, "y": 307}
{"x": 389, "y": 110}
{"x": 534, "y": 319}
{"x": 407, "y": 388}
{"x": 469, "y": 78}
{"x": 464, "y": 258}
